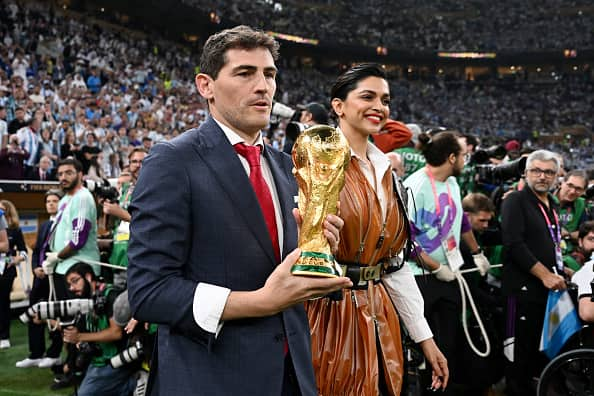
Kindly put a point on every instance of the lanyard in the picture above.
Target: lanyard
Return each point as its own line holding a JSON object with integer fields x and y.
{"x": 556, "y": 237}
{"x": 436, "y": 198}
{"x": 437, "y": 204}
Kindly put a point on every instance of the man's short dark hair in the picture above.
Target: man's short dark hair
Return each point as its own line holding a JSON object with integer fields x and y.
{"x": 471, "y": 140}
{"x": 477, "y": 202}
{"x": 318, "y": 112}
{"x": 71, "y": 161}
{"x": 586, "y": 228}
{"x": 82, "y": 269}
{"x": 577, "y": 173}
{"x": 137, "y": 150}
{"x": 438, "y": 147}
{"x": 214, "y": 55}
{"x": 54, "y": 192}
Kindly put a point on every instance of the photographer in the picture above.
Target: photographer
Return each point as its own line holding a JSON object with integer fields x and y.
{"x": 584, "y": 278}
{"x": 572, "y": 212}
{"x": 121, "y": 232}
{"x": 98, "y": 337}
{"x": 312, "y": 114}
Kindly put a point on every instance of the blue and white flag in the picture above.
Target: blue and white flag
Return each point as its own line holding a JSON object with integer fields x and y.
{"x": 561, "y": 321}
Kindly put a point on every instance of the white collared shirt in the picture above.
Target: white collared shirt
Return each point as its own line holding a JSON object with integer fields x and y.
{"x": 208, "y": 315}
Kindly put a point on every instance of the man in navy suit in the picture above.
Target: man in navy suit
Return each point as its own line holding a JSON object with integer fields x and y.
{"x": 202, "y": 262}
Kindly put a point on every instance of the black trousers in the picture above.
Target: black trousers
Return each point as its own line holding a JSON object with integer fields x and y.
{"x": 526, "y": 319}
{"x": 6, "y": 281}
{"x": 40, "y": 292}
{"x": 442, "y": 310}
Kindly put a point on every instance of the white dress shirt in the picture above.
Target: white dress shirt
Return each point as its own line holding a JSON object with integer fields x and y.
{"x": 208, "y": 315}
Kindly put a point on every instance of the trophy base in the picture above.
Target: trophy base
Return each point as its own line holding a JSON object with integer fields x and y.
{"x": 315, "y": 264}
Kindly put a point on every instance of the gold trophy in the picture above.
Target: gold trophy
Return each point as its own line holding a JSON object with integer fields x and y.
{"x": 320, "y": 154}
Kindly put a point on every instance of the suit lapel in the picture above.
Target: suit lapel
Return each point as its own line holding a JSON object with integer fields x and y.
{"x": 221, "y": 158}
{"x": 285, "y": 190}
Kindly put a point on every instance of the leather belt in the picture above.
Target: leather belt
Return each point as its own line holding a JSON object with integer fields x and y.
{"x": 360, "y": 275}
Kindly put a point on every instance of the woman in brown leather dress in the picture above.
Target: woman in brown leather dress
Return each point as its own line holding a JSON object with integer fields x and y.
{"x": 356, "y": 343}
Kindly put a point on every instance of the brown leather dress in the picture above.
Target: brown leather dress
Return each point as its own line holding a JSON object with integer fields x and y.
{"x": 346, "y": 334}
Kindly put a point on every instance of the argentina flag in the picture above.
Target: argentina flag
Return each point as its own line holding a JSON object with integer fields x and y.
{"x": 560, "y": 323}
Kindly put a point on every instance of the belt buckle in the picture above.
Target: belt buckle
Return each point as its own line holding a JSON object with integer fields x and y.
{"x": 370, "y": 273}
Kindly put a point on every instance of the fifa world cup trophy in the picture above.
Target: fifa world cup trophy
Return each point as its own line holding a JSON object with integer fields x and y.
{"x": 321, "y": 155}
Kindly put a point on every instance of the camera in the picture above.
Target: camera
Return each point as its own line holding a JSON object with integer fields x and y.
{"x": 589, "y": 194}
{"x": 86, "y": 352}
{"x": 129, "y": 355}
{"x": 103, "y": 190}
{"x": 64, "y": 308}
{"x": 484, "y": 155}
{"x": 499, "y": 174}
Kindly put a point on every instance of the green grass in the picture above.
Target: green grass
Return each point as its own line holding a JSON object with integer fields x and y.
{"x": 24, "y": 381}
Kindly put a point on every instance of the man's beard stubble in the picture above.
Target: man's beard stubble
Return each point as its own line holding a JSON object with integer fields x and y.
{"x": 69, "y": 187}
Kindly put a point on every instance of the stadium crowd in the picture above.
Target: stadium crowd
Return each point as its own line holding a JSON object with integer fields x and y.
{"x": 73, "y": 89}
{"x": 431, "y": 25}
{"x": 125, "y": 89}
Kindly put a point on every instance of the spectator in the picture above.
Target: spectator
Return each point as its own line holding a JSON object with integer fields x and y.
{"x": 18, "y": 121}
{"x": 29, "y": 139}
{"x": 12, "y": 160}
{"x": 6, "y": 287}
{"x": 531, "y": 237}
{"x": 43, "y": 171}
{"x": 16, "y": 253}
{"x": 70, "y": 148}
{"x": 3, "y": 128}
{"x": 89, "y": 151}
{"x": 585, "y": 275}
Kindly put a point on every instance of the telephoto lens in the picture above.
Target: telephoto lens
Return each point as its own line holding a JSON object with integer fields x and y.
{"x": 58, "y": 309}
{"x": 127, "y": 356}
{"x": 29, "y": 314}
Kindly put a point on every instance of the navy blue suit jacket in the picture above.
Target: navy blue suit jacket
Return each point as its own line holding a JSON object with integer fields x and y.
{"x": 39, "y": 250}
{"x": 196, "y": 218}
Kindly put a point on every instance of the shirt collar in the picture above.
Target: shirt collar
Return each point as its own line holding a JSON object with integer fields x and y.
{"x": 375, "y": 156}
{"x": 234, "y": 138}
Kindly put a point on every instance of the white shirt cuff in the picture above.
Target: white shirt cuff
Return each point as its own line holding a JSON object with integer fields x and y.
{"x": 209, "y": 303}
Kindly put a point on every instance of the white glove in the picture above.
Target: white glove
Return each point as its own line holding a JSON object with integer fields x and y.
{"x": 481, "y": 263}
{"x": 48, "y": 265}
{"x": 444, "y": 273}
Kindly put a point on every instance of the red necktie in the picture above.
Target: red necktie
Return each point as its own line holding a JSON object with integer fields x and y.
{"x": 252, "y": 155}
{"x": 42, "y": 175}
